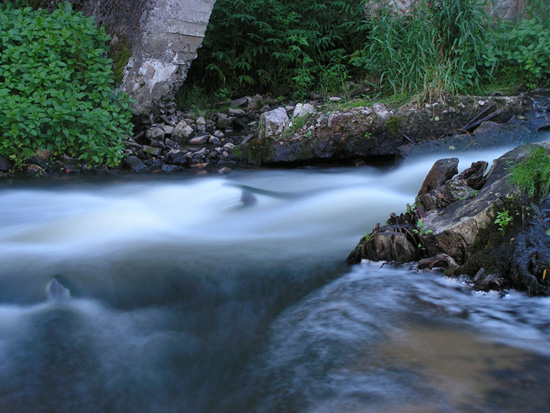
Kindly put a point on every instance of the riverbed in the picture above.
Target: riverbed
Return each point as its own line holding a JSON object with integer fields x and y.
{"x": 229, "y": 294}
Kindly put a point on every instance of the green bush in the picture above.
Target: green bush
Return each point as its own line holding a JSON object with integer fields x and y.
{"x": 522, "y": 49}
{"x": 57, "y": 89}
{"x": 278, "y": 46}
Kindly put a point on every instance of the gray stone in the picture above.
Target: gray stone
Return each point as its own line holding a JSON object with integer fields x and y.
{"x": 228, "y": 146}
{"x": 199, "y": 140}
{"x": 238, "y": 113}
{"x": 182, "y": 131}
{"x": 255, "y": 103}
{"x": 168, "y": 129}
{"x": 155, "y": 133}
{"x": 236, "y": 103}
{"x": 273, "y": 123}
{"x": 201, "y": 152}
{"x": 214, "y": 141}
{"x": 177, "y": 157}
{"x": 303, "y": 110}
{"x": 171, "y": 144}
{"x": 224, "y": 121}
{"x": 381, "y": 110}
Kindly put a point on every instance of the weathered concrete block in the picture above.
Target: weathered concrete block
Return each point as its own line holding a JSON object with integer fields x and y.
{"x": 154, "y": 42}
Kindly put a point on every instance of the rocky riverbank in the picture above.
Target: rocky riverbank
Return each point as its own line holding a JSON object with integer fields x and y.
{"x": 474, "y": 223}
{"x": 258, "y": 131}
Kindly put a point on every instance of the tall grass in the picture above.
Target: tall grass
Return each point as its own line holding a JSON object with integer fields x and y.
{"x": 436, "y": 48}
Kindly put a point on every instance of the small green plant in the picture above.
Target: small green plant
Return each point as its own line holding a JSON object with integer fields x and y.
{"x": 532, "y": 173}
{"x": 368, "y": 135}
{"x": 421, "y": 229}
{"x": 503, "y": 220}
{"x": 57, "y": 88}
{"x": 295, "y": 124}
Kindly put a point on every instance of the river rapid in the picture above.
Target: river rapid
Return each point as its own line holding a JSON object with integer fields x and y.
{"x": 229, "y": 294}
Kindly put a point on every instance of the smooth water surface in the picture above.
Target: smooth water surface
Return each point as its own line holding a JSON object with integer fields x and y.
{"x": 229, "y": 294}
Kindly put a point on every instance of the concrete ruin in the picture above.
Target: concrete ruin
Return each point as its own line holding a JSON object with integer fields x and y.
{"x": 154, "y": 42}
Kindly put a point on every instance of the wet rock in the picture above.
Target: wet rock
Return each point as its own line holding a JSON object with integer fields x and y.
{"x": 71, "y": 164}
{"x": 171, "y": 144}
{"x": 41, "y": 158}
{"x": 56, "y": 291}
{"x": 171, "y": 168}
{"x": 391, "y": 243}
{"x": 157, "y": 144}
{"x": 134, "y": 163}
{"x": 177, "y": 157}
{"x": 223, "y": 171}
{"x": 474, "y": 176}
{"x": 214, "y": 141}
{"x": 462, "y": 234}
{"x": 431, "y": 193}
{"x": 438, "y": 261}
{"x": 5, "y": 165}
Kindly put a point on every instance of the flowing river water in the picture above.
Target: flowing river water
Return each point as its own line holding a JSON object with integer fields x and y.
{"x": 229, "y": 294}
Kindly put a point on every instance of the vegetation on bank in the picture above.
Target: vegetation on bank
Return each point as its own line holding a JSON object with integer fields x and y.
{"x": 439, "y": 47}
{"x": 57, "y": 91}
{"x": 532, "y": 174}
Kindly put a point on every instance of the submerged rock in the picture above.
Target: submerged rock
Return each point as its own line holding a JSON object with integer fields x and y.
{"x": 56, "y": 291}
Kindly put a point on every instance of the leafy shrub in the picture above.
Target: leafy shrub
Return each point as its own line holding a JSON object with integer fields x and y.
{"x": 56, "y": 88}
{"x": 278, "y": 45}
{"x": 522, "y": 51}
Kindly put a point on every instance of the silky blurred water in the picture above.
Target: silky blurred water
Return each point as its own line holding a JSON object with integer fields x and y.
{"x": 186, "y": 298}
